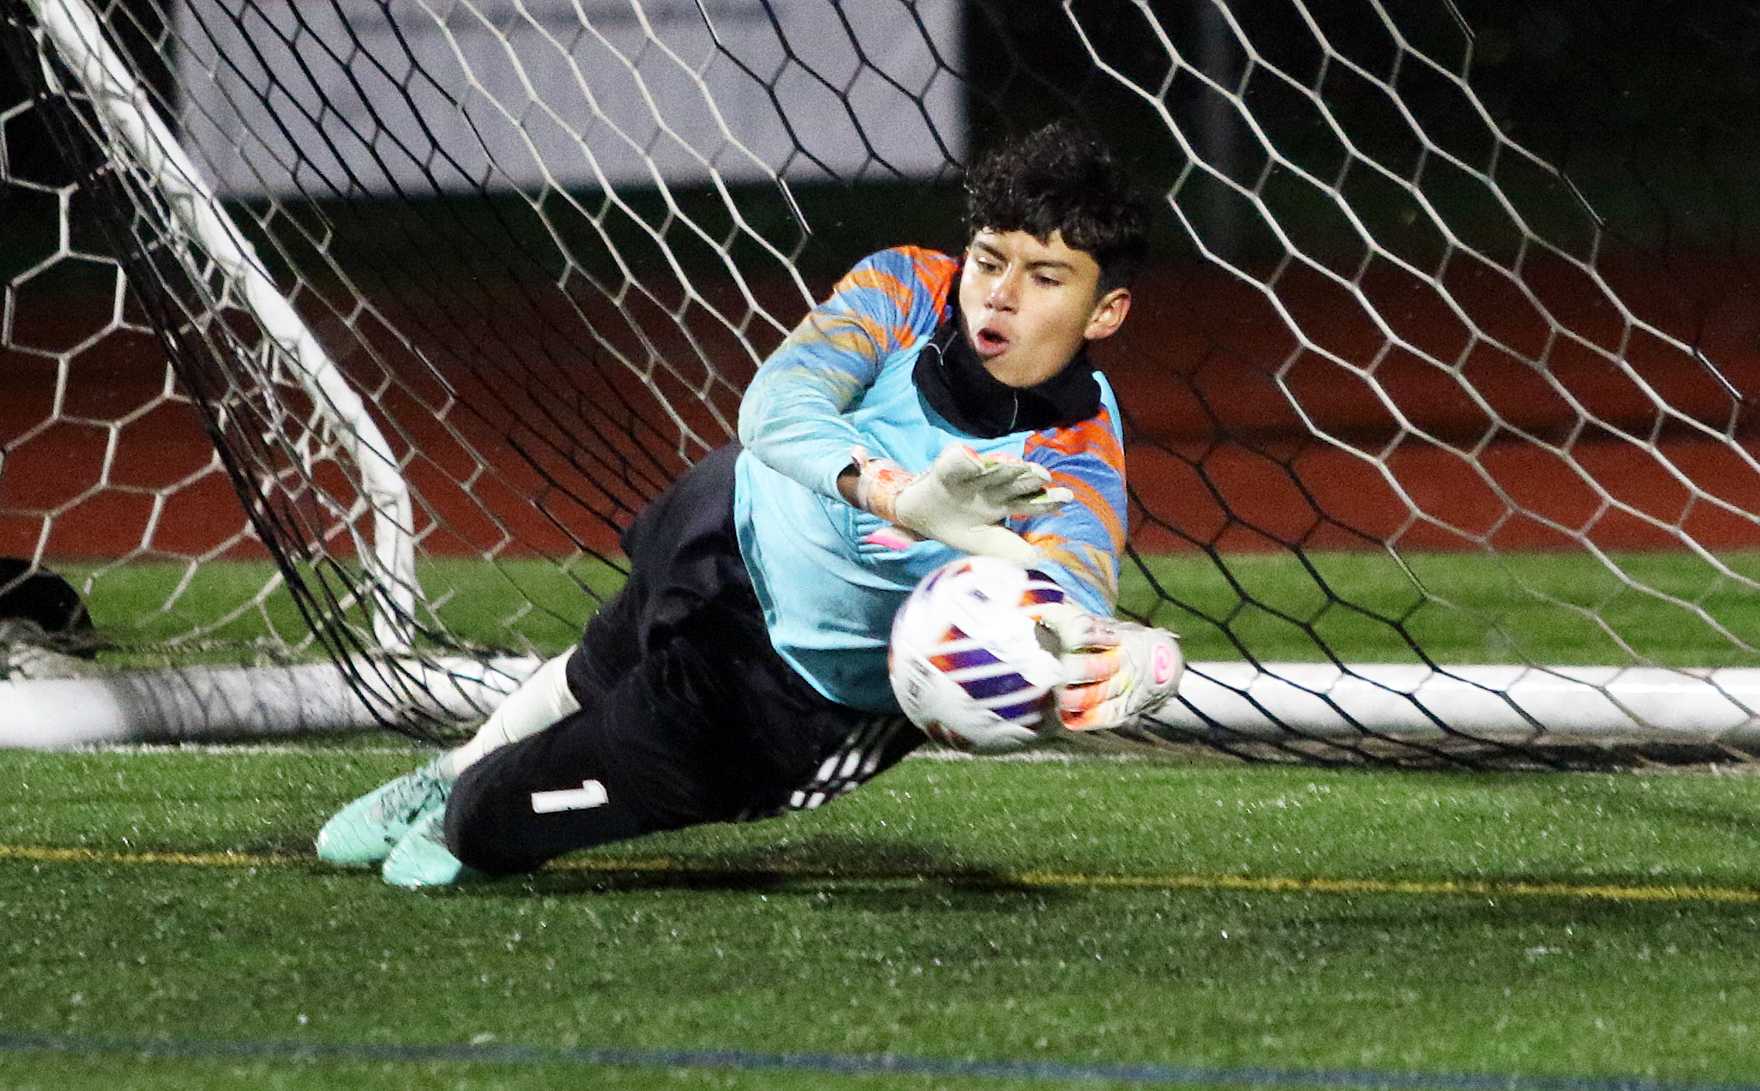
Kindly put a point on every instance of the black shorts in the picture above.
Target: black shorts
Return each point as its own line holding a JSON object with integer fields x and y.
{"x": 688, "y": 714}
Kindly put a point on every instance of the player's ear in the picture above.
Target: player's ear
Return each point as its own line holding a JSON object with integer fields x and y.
{"x": 1108, "y": 314}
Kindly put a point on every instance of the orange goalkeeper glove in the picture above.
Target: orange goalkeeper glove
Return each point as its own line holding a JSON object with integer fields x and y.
{"x": 1114, "y": 671}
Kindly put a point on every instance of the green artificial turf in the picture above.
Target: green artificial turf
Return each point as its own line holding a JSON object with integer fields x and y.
{"x": 1228, "y": 921}
{"x": 1088, "y": 922}
{"x": 1666, "y": 608}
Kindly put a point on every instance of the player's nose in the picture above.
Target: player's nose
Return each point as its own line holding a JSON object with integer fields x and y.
{"x": 1004, "y": 291}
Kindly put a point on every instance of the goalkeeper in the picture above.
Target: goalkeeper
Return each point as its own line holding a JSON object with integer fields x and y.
{"x": 930, "y": 407}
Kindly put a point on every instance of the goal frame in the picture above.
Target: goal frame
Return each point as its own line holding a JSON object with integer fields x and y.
{"x": 208, "y": 703}
{"x": 1260, "y": 702}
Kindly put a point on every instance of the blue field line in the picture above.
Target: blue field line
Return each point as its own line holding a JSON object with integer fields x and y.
{"x": 841, "y": 1064}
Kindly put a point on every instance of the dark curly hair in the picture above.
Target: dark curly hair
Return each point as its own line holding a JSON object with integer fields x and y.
{"x": 1062, "y": 178}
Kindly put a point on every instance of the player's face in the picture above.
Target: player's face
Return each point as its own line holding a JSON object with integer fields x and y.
{"x": 1028, "y": 305}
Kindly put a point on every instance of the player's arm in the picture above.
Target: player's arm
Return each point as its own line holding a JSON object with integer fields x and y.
{"x": 1114, "y": 671}
{"x": 792, "y": 415}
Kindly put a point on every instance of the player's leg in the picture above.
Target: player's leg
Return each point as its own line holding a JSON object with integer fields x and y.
{"x": 542, "y": 699}
{"x": 672, "y": 677}
{"x": 362, "y": 833}
{"x": 669, "y": 745}
{"x": 713, "y": 727}
{"x": 658, "y": 592}
{"x": 867, "y": 746}
{"x": 561, "y": 790}
{"x": 514, "y": 811}
{"x": 564, "y": 684}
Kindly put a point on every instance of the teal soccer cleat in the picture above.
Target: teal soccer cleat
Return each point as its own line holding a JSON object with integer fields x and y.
{"x": 422, "y": 859}
{"x": 363, "y": 833}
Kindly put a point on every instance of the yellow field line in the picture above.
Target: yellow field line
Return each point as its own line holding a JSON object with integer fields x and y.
{"x": 1255, "y": 884}
{"x": 1271, "y": 884}
{"x": 44, "y": 854}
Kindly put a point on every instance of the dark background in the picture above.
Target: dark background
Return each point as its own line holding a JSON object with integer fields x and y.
{"x": 1647, "y": 107}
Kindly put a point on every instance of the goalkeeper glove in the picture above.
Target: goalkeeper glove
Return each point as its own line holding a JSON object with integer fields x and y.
{"x": 1114, "y": 671}
{"x": 959, "y": 501}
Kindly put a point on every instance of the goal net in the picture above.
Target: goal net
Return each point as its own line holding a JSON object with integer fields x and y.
{"x": 340, "y": 339}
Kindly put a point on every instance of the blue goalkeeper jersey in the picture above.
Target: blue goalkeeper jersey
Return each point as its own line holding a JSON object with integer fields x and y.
{"x": 846, "y": 378}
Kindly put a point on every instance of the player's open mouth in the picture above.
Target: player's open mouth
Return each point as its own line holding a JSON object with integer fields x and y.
{"x": 989, "y": 343}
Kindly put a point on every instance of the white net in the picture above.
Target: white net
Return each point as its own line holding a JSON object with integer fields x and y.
{"x": 1437, "y": 395}
{"x": 106, "y": 476}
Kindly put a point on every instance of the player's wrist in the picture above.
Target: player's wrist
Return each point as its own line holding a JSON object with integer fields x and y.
{"x": 877, "y": 483}
{"x": 962, "y": 500}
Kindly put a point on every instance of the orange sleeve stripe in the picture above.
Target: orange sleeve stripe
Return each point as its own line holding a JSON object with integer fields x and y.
{"x": 935, "y": 272}
{"x": 1099, "y": 566}
{"x": 1089, "y": 497}
{"x": 855, "y": 332}
{"x": 881, "y": 281}
{"x": 1093, "y": 436}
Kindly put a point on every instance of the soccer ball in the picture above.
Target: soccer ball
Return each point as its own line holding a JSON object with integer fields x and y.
{"x": 969, "y": 663}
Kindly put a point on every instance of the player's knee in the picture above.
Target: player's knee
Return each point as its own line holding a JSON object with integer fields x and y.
{"x": 502, "y": 821}
{"x": 480, "y": 826}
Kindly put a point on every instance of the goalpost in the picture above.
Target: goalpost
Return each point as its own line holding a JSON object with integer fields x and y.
{"x": 340, "y": 339}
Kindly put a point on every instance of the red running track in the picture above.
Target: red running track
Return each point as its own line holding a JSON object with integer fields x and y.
{"x": 1643, "y": 451}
